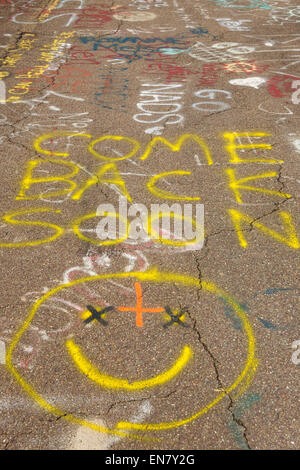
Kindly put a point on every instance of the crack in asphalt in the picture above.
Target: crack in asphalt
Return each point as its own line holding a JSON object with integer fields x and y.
{"x": 221, "y": 387}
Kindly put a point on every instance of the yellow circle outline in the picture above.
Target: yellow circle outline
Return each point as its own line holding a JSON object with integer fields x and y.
{"x": 77, "y": 222}
{"x": 162, "y": 193}
{"x": 165, "y": 241}
{"x": 152, "y": 275}
{"x": 114, "y": 137}
{"x": 8, "y": 218}
{"x": 39, "y": 140}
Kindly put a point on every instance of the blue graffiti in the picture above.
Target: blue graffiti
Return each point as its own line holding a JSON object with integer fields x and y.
{"x": 114, "y": 85}
{"x": 238, "y": 411}
{"x": 231, "y": 4}
{"x": 236, "y": 322}
{"x": 109, "y": 42}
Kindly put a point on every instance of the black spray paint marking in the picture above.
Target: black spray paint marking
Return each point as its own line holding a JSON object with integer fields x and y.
{"x": 175, "y": 318}
{"x": 97, "y": 315}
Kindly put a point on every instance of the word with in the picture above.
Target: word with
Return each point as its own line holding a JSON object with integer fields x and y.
{"x": 162, "y": 104}
{"x": 232, "y": 4}
{"x": 233, "y": 25}
{"x": 280, "y": 85}
{"x": 296, "y": 354}
{"x": 295, "y": 95}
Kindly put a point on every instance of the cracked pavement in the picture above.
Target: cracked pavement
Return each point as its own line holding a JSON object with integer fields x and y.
{"x": 96, "y": 98}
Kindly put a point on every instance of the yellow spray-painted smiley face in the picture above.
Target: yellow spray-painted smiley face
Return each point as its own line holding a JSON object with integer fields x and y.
{"x": 107, "y": 381}
{"x": 93, "y": 374}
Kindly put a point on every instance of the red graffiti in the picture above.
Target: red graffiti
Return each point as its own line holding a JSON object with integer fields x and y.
{"x": 280, "y": 85}
{"x": 95, "y": 16}
{"x": 211, "y": 71}
{"x": 173, "y": 72}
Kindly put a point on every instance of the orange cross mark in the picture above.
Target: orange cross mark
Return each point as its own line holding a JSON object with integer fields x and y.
{"x": 138, "y": 309}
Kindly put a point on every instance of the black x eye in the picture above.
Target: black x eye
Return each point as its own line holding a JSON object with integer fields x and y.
{"x": 96, "y": 315}
{"x": 175, "y": 318}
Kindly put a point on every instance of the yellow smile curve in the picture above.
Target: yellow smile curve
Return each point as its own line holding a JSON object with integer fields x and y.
{"x": 107, "y": 381}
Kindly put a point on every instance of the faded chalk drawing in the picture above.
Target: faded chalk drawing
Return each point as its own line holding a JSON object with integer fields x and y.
{"x": 2, "y": 92}
{"x": 2, "y": 352}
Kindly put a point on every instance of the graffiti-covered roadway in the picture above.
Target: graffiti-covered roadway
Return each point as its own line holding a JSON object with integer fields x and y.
{"x": 123, "y": 327}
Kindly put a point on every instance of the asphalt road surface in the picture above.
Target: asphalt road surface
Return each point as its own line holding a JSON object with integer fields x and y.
{"x": 150, "y": 156}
